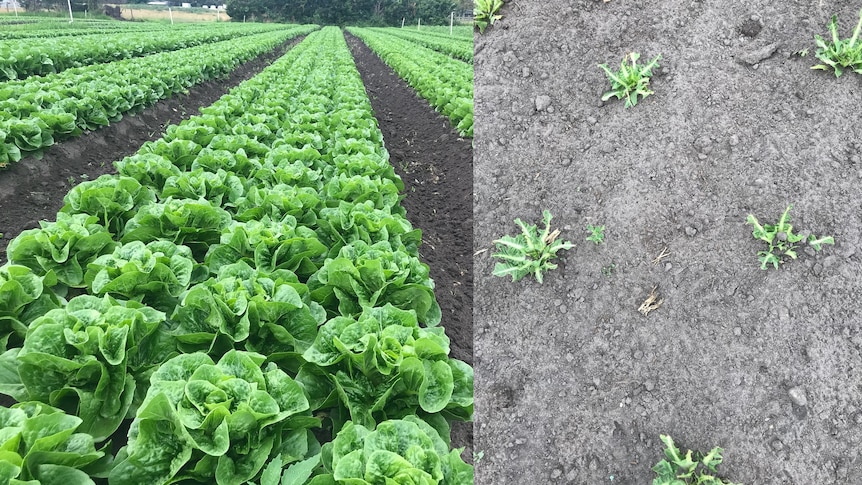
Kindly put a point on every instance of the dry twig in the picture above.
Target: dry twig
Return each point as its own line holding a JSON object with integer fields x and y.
{"x": 651, "y": 303}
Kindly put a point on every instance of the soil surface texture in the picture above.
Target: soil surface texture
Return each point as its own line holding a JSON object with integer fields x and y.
{"x": 573, "y": 384}
{"x": 436, "y": 167}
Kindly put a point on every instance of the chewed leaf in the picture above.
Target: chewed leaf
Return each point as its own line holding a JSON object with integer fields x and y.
{"x": 816, "y": 243}
{"x": 766, "y": 258}
{"x": 530, "y": 252}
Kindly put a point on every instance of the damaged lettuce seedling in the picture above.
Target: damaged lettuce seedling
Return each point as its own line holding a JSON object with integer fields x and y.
{"x": 781, "y": 240}
{"x": 691, "y": 468}
{"x": 840, "y": 54}
{"x": 530, "y": 252}
{"x": 631, "y": 80}
{"x": 485, "y": 13}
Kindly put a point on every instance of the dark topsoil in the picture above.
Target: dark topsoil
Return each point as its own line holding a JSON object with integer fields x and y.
{"x": 435, "y": 164}
{"x": 573, "y": 385}
{"x": 436, "y": 167}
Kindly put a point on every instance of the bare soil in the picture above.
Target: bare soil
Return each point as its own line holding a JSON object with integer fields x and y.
{"x": 436, "y": 167}
{"x": 573, "y": 384}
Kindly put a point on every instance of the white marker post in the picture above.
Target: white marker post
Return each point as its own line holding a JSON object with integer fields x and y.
{"x": 451, "y": 22}
{"x": 218, "y": 14}
{"x": 402, "y": 22}
{"x": 15, "y": 4}
{"x": 171, "y": 14}
{"x": 71, "y": 19}
{"x": 418, "y": 24}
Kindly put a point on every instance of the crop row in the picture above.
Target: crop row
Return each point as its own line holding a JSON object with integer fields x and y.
{"x": 446, "y": 83}
{"x": 49, "y": 27}
{"x": 459, "y": 31}
{"x": 246, "y": 278}
{"x": 459, "y": 48}
{"x": 35, "y": 112}
{"x": 19, "y": 59}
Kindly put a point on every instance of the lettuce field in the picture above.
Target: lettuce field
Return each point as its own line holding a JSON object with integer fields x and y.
{"x": 228, "y": 260}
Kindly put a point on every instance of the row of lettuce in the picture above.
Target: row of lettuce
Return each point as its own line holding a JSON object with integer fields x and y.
{"x": 38, "y": 111}
{"x": 22, "y": 58}
{"x": 43, "y": 27}
{"x": 445, "y": 82}
{"x": 457, "y": 47}
{"x": 248, "y": 289}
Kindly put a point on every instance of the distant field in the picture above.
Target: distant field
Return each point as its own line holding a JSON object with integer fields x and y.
{"x": 146, "y": 12}
{"x": 151, "y": 12}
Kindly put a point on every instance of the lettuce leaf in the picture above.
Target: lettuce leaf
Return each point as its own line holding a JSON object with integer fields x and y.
{"x": 64, "y": 247}
{"x": 86, "y": 359}
{"x": 211, "y": 422}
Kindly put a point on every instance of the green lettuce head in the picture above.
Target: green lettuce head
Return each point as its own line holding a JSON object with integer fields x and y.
{"x": 87, "y": 359}
{"x": 39, "y": 445}
{"x": 24, "y": 296}
{"x": 211, "y": 422}
{"x": 64, "y": 247}
{"x": 404, "y": 451}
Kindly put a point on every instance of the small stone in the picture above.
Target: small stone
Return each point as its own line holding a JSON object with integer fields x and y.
{"x": 734, "y": 140}
{"x": 649, "y": 385}
{"x": 563, "y": 308}
{"x": 754, "y": 57}
{"x": 690, "y": 231}
{"x": 797, "y": 395}
{"x": 525, "y": 72}
{"x": 668, "y": 266}
{"x": 737, "y": 331}
{"x": 542, "y": 102}
{"x": 569, "y": 357}
{"x": 591, "y": 120}
{"x": 777, "y": 445}
{"x": 556, "y": 473}
{"x": 566, "y": 162}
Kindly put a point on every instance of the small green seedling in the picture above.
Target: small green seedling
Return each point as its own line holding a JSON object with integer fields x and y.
{"x": 693, "y": 468}
{"x": 631, "y": 80}
{"x": 840, "y": 54}
{"x": 485, "y": 13}
{"x": 530, "y": 252}
{"x": 597, "y": 233}
{"x": 608, "y": 270}
{"x": 478, "y": 455}
{"x": 781, "y": 240}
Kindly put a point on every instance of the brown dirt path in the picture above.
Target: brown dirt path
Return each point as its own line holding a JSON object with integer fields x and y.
{"x": 437, "y": 168}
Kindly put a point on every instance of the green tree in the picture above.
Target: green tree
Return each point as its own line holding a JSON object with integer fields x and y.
{"x": 344, "y": 12}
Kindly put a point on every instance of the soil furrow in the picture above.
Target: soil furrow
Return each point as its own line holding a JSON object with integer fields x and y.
{"x": 437, "y": 168}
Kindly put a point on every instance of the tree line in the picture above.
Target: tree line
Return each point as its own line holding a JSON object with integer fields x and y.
{"x": 347, "y": 12}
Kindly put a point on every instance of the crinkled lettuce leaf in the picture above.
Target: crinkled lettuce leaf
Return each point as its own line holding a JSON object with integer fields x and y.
{"x": 210, "y": 422}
